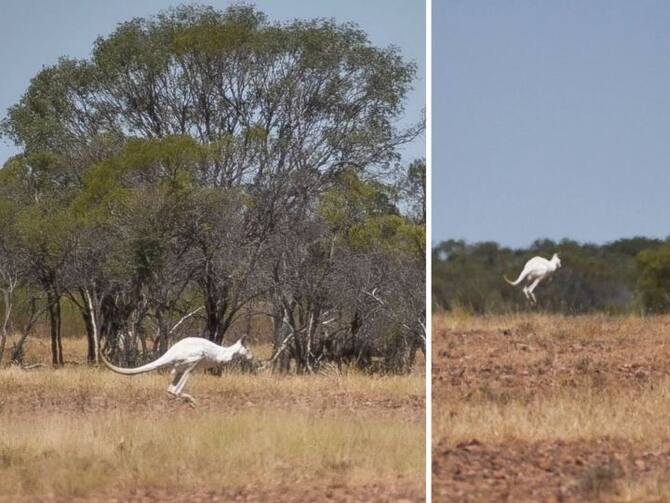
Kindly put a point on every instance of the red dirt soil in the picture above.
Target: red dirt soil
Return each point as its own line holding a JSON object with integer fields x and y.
{"x": 339, "y": 492}
{"x": 522, "y": 360}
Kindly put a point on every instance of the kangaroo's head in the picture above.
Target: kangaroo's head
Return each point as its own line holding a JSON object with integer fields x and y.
{"x": 241, "y": 349}
{"x": 556, "y": 260}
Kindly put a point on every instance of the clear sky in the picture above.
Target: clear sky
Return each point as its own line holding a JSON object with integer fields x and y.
{"x": 34, "y": 33}
{"x": 551, "y": 119}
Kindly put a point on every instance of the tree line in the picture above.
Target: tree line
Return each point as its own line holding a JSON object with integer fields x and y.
{"x": 623, "y": 276}
{"x": 202, "y": 165}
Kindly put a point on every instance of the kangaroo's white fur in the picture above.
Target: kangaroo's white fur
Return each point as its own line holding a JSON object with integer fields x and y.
{"x": 184, "y": 357}
{"x": 535, "y": 270}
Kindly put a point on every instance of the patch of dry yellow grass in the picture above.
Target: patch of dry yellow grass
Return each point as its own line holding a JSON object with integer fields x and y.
{"x": 81, "y": 431}
{"x": 655, "y": 488}
{"x": 549, "y": 326}
{"x": 568, "y": 414}
{"x": 88, "y": 381}
{"x": 73, "y": 456}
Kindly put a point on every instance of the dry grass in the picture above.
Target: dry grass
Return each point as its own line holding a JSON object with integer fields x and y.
{"x": 582, "y": 328}
{"x": 655, "y": 488}
{"x": 86, "y": 384}
{"x": 73, "y": 456}
{"x": 86, "y": 432}
{"x": 591, "y": 404}
{"x": 583, "y": 413}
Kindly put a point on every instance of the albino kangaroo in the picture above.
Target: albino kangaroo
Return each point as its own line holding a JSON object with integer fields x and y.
{"x": 535, "y": 270}
{"x": 184, "y": 357}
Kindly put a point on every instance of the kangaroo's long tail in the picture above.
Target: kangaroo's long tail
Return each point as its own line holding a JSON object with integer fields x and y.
{"x": 521, "y": 277}
{"x": 156, "y": 364}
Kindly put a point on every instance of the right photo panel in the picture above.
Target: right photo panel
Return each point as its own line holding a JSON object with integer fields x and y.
{"x": 550, "y": 251}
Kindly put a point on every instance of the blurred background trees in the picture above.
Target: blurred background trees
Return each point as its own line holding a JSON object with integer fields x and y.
{"x": 624, "y": 276}
{"x": 205, "y": 167}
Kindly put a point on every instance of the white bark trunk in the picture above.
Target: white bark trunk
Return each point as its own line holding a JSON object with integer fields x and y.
{"x": 94, "y": 326}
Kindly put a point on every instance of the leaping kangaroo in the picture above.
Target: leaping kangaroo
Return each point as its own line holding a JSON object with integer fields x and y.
{"x": 184, "y": 357}
{"x": 535, "y": 270}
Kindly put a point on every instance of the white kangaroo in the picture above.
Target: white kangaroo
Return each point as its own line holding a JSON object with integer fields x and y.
{"x": 184, "y": 357}
{"x": 535, "y": 270}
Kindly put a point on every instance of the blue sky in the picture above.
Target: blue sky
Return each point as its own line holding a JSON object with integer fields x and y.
{"x": 34, "y": 33}
{"x": 551, "y": 119}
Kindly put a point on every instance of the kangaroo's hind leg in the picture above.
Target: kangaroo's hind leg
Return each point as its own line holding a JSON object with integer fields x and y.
{"x": 182, "y": 382}
{"x": 532, "y": 287}
{"x": 175, "y": 377}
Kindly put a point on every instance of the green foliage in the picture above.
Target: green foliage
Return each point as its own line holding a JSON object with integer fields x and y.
{"x": 35, "y": 176}
{"x": 353, "y": 200}
{"x": 147, "y": 256}
{"x": 654, "y": 279}
{"x": 43, "y": 118}
{"x": 166, "y": 164}
{"x": 391, "y": 233}
{"x": 415, "y": 188}
{"x": 362, "y": 215}
{"x": 213, "y": 32}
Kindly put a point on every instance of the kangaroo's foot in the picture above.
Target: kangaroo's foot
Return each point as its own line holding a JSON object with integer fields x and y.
{"x": 188, "y": 398}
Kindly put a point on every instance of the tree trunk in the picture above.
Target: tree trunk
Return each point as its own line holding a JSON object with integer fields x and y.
{"x": 18, "y": 350}
{"x": 91, "y": 329}
{"x": 90, "y": 346}
{"x": 216, "y": 324}
{"x": 162, "y": 332}
{"x": 7, "y": 299}
{"x": 280, "y": 333}
{"x": 55, "y": 321}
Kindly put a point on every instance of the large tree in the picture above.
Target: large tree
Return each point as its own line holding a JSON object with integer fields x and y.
{"x": 195, "y": 143}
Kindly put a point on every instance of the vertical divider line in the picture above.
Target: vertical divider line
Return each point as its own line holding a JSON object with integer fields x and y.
{"x": 429, "y": 323}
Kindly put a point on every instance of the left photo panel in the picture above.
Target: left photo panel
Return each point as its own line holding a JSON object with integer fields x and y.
{"x": 213, "y": 251}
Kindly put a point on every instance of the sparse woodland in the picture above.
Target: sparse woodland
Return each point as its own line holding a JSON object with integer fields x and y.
{"x": 627, "y": 276}
{"x": 205, "y": 165}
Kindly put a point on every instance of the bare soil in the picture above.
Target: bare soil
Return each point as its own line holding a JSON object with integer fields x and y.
{"x": 158, "y": 401}
{"x": 334, "y": 491}
{"x": 496, "y": 363}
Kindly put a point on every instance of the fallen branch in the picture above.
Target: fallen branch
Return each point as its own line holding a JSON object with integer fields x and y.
{"x": 33, "y": 366}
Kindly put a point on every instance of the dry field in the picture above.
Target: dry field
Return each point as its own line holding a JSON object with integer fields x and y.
{"x": 549, "y": 408}
{"x": 86, "y": 434}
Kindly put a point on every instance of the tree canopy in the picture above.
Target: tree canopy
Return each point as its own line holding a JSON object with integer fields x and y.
{"x": 203, "y": 164}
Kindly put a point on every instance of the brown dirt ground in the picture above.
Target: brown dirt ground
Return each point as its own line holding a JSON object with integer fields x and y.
{"x": 513, "y": 358}
{"x": 337, "y": 491}
{"x": 151, "y": 401}
{"x": 541, "y": 471}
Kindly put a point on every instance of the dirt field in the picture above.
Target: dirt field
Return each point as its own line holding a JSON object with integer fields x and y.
{"x": 549, "y": 408}
{"x": 86, "y": 434}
